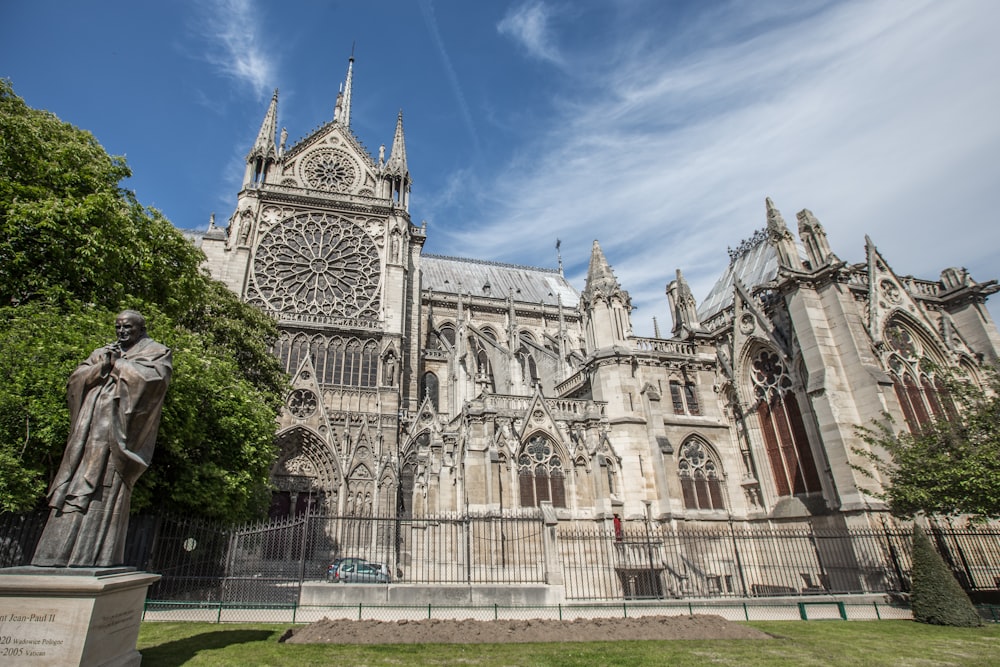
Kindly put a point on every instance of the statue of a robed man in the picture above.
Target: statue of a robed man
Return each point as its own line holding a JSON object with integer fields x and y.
{"x": 115, "y": 400}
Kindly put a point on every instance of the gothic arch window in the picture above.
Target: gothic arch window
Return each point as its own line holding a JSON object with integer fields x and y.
{"x": 484, "y": 369}
{"x": 447, "y": 332}
{"x": 684, "y": 398}
{"x": 539, "y": 473}
{"x": 529, "y": 369}
{"x": 701, "y": 476}
{"x": 489, "y": 333}
{"x": 369, "y": 365}
{"x": 291, "y": 350}
{"x": 526, "y": 337}
{"x": 352, "y": 362}
{"x": 429, "y": 388}
{"x": 922, "y": 396}
{"x": 404, "y": 499}
{"x": 785, "y": 439}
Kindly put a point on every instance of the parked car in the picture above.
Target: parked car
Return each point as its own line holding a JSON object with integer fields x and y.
{"x": 362, "y": 573}
{"x": 333, "y": 571}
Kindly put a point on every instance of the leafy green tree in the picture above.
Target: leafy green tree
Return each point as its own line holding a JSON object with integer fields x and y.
{"x": 935, "y": 595}
{"x": 952, "y": 465}
{"x": 75, "y": 249}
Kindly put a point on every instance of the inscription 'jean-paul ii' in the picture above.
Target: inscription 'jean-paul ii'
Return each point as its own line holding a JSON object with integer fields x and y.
{"x": 115, "y": 400}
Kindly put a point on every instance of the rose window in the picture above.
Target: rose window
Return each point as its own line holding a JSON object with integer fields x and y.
{"x": 302, "y": 403}
{"x": 318, "y": 264}
{"x": 329, "y": 170}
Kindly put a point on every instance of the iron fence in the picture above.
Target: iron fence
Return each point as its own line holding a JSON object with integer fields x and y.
{"x": 269, "y": 561}
{"x": 664, "y": 562}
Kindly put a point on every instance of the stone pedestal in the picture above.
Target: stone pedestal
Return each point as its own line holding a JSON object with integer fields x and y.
{"x": 71, "y": 616}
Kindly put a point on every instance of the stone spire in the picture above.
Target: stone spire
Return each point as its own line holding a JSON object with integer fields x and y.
{"x": 683, "y": 307}
{"x": 263, "y": 153}
{"x": 396, "y": 166}
{"x": 600, "y": 278}
{"x": 781, "y": 238}
{"x": 342, "y": 112}
{"x": 606, "y": 305}
{"x": 264, "y": 147}
{"x": 814, "y": 239}
{"x": 396, "y": 175}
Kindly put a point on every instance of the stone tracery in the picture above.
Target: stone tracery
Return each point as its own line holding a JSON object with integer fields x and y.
{"x": 318, "y": 263}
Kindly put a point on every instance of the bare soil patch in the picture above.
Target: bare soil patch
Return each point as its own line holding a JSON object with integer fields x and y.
{"x": 434, "y": 631}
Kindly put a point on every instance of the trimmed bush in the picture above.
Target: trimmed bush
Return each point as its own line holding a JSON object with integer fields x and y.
{"x": 936, "y": 596}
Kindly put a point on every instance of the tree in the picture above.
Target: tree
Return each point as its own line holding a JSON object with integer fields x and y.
{"x": 75, "y": 249}
{"x": 949, "y": 467}
{"x": 935, "y": 595}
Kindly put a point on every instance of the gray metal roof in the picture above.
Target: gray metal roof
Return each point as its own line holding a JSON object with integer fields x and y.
{"x": 754, "y": 262}
{"x": 454, "y": 275}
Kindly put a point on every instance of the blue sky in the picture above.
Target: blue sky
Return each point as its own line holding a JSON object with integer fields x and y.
{"x": 657, "y": 127}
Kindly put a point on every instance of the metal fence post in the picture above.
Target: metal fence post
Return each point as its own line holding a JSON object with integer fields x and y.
{"x": 739, "y": 560}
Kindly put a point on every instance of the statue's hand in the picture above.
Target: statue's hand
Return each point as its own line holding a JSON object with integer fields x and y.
{"x": 112, "y": 353}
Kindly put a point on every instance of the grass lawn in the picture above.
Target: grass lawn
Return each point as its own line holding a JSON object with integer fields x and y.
{"x": 800, "y": 643}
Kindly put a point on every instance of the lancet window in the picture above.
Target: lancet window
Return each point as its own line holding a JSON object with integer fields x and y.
{"x": 352, "y": 362}
{"x": 429, "y": 388}
{"x": 785, "y": 438}
{"x": 921, "y": 396}
{"x": 539, "y": 473}
{"x": 700, "y": 476}
{"x": 684, "y": 398}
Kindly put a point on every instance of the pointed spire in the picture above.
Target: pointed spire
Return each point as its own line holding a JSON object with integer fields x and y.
{"x": 264, "y": 146}
{"x": 683, "y": 306}
{"x": 396, "y": 166}
{"x": 264, "y": 153}
{"x": 342, "y": 112}
{"x": 599, "y": 274}
{"x": 775, "y": 223}
{"x": 814, "y": 239}
{"x": 781, "y": 238}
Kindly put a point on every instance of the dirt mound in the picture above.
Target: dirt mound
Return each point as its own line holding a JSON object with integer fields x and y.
{"x": 436, "y": 631}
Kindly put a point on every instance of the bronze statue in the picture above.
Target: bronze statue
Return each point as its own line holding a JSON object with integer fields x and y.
{"x": 115, "y": 399}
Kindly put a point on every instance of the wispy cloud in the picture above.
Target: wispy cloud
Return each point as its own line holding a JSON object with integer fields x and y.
{"x": 234, "y": 44}
{"x": 877, "y": 116}
{"x": 529, "y": 25}
{"x": 427, "y": 10}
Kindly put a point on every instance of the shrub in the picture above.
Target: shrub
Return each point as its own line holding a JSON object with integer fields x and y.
{"x": 936, "y": 596}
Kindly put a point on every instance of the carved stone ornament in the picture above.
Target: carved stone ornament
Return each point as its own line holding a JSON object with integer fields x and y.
{"x": 299, "y": 465}
{"x": 747, "y": 324}
{"x": 302, "y": 403}
{"x": 320, "y": 264}
{"x": 890, "y": 291}
{"x": 330, "y": 170}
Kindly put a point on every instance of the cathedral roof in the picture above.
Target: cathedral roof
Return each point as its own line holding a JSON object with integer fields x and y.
{"x": 451, "y": 275}
{"x": 753, "y": 262}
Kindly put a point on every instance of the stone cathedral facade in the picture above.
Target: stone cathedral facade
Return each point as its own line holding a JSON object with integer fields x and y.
{"x": 424, "y": 385}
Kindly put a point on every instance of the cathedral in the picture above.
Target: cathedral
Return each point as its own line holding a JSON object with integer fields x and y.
{"x": 425, "y": 385}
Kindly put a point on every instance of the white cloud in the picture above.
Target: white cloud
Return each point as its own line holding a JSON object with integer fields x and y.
{"x": 878, "y": 116}
{"x": 235, "y": 46}
{"x": 528, "y": 25}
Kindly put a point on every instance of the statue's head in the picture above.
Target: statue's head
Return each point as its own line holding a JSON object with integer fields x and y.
{"x": 130, "y": 327}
